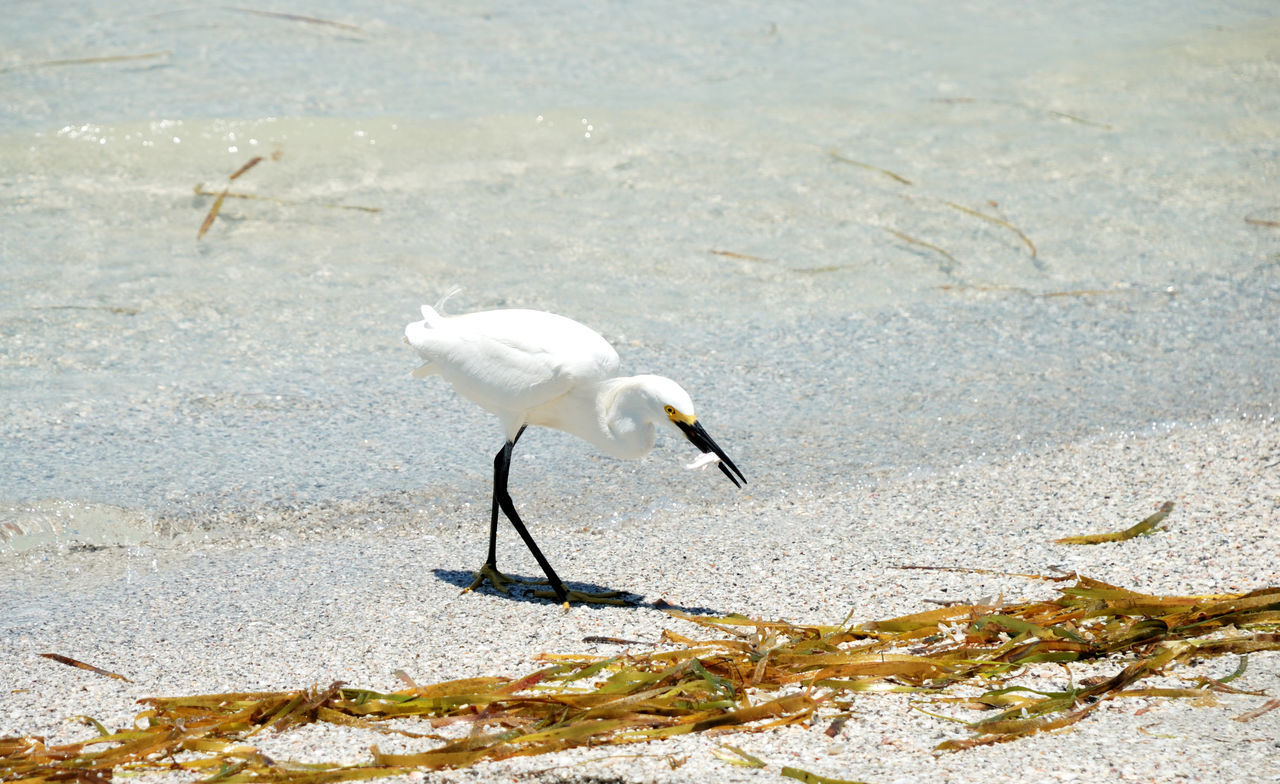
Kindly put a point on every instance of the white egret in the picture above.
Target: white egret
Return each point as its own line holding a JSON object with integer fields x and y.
{"x": 534, "y": 368}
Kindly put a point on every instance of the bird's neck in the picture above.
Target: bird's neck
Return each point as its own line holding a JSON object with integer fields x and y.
{"x": 626, "y": 424}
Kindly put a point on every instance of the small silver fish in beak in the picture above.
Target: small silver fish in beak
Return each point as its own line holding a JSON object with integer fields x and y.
{"x": 697, "y": 436}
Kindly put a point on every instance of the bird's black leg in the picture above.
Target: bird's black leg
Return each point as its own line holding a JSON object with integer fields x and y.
{"x": 562, "y": 594}
{"x": 501, "y": 468}
{"x": 502, "y": 500}
{"x": 492, "y": 560}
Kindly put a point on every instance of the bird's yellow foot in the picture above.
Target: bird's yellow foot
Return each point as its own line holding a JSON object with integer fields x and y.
{"x": 586, "y": 597}
{"x": 500, "y": 582}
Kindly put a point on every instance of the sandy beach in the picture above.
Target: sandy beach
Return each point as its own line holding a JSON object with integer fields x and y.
{"x": 947, "y": 284}
{"x": 341, "y": 600}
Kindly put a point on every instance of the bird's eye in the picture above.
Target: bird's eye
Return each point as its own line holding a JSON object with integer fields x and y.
{"x": 669, "y": 410}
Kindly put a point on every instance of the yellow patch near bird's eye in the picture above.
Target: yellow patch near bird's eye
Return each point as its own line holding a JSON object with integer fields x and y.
{"x": 676, "y": 416}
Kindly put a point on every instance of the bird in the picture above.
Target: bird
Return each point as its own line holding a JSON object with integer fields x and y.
{"x": 531, "y": 367}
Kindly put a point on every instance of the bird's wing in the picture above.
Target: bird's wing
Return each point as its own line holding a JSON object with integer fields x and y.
{"x": 513, "y": 360}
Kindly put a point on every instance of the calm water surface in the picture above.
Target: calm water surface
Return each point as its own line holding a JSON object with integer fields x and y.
{"x": 870, "y": 238}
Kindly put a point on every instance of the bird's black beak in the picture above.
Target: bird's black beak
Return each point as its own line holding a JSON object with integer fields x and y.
{"x": 699, "y": 438}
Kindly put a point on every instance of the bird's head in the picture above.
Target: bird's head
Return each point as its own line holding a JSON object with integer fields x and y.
{"x": 677, "y": 408}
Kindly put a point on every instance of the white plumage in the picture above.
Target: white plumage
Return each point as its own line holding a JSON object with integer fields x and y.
{"x": 533, "y": 368}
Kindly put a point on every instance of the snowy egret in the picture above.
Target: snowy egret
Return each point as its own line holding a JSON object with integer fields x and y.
{"x": 534, "y": 368}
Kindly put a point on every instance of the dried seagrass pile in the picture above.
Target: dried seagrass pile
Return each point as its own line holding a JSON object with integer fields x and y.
{"x": 753, "y": 676}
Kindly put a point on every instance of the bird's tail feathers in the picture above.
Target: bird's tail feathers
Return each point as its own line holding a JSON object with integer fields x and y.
{"x": 453, "y": 290}
{"x": 418, "y": 334}
{"x": 430, "y": 316}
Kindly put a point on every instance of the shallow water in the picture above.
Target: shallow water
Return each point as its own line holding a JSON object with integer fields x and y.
{"x": 774, "y": 207}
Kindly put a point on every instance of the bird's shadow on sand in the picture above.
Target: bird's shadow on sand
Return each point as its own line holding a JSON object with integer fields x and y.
{"x": 524, "y": 593}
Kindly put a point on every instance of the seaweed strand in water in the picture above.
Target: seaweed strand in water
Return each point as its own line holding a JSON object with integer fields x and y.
{"x": 226, "y": 193}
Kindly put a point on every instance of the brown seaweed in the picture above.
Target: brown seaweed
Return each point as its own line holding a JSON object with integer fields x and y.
{"x": 749, "y": 675}
{"x": 116, "y": 58}
{"x": 891, "y": 174}
{"x": 83, "y": 666}
{"x": 1146, "y": 526}
{"x": 946, "y": 268}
